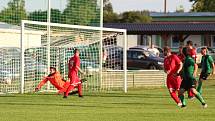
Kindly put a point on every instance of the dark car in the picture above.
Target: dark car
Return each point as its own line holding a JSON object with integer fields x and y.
{"x": 146, "y": 48}
{"x": 114, "y": 56}
{"x": 141, "y": 59}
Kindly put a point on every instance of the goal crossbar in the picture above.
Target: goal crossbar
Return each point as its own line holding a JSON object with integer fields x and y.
{"x": 74, "y": 26}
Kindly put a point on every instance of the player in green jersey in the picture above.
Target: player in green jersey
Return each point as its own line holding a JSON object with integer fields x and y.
{"x": 185, "y": 53}
{"x": 208, "y": 68}
{"x": 188, "y": 82}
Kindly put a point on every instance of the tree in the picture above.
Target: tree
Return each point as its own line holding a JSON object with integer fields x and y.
{"x": 135, "y": 17}
{"x": 81, "y": 12}
{"x": 14, "y": 12}
{"x": 107, "y": 6}
{"x": 110, "y": 17}
{"x": 56, "y": 16}
{"x": 108, "y": 14}
{"x": 203, "y": 5}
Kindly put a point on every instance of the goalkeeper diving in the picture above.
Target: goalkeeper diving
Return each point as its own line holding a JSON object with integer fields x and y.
{"x": 56, "y": 80}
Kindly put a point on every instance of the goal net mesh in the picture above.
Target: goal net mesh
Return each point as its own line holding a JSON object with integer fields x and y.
{"x": 39, "y": 54}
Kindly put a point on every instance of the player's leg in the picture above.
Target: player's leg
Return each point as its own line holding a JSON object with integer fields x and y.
{"x": 172, "y": 83}
{"x": 190, "y": 94}
{"x": 73, "y": 92}
{"x": 174, "y": 96}
{"x": 183, "y": 88}
{"x": 71, "y": 87}
{"x": 199, "y": 97}
{"x": 201, "y": 79}
{"x": 80, "y": 90}
{"x": 73, "y": 77}
{"x": 199, "y": 87}
{"x": 181, "y": 96}
{"x": 65, "y": 87}
{"x": 57, "y": 86}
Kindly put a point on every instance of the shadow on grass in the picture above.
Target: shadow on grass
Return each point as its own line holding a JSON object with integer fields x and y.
{"x": 114, "y": 95}
{"x": 132, "y": 95}
{"x": 7, "y": 96}
{"x": 101, "y": 105}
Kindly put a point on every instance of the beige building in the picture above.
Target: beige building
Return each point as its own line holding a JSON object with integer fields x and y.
{"x": 10, "y": 36}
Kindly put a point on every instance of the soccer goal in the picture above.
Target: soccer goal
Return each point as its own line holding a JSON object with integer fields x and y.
{"x": 102, "y": 54}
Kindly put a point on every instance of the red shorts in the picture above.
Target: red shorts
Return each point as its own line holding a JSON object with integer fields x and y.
{"x": 74, "y": 79}
{"x": 173, "y": 82}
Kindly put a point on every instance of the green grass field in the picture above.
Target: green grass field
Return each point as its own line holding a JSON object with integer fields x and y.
{"x": 145, "y": 104}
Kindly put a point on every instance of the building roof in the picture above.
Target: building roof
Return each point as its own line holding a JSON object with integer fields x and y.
{"x": 176, "y": 14}
{"x": 164, "y": 28}
{"x": 183, "y": 17}
{"x": 5, "y": 27}
{"x": 8, "y": 26}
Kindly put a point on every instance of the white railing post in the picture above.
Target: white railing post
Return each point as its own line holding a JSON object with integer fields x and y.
{"x": 101, "y": 42}
{"x": 22, "y": 57}
{"x": 48, "y": 38}
{"x": 125, "y": 62}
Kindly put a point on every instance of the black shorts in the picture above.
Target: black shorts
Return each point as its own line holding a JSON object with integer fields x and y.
{"x": 204, "y": 76}
{"x": 188, "y": 83}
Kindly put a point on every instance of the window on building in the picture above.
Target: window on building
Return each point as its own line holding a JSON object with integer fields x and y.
{"x": 145, "y": 40}
{"x": 175, "y": 41}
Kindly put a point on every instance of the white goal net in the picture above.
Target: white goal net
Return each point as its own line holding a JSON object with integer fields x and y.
{"x": 102, "y": 54}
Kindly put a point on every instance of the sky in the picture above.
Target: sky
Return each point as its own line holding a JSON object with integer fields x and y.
{"x": 32, "y": 5}
{"x": 118, "y": 5}
{"x": 151, "y": 5}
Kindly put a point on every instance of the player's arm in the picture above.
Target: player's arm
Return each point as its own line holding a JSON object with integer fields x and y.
{"x": 80, "y": 70}
{"x": 165, "y": 70}
{"x": 70, "y": 64}
{"x": 179, "y": 63}
{"x": 195, "y": 69}
{"x": 180, "y": 67}
{"x": 211, "y": 61}
{"x": 41, "y": 84}
{"x": 166, "y": 66}
{"x": 76, "y": 65}
{"x": 213, "y": 66}
{"x": 158, "y": 52}
{"x": 49, "y": 77}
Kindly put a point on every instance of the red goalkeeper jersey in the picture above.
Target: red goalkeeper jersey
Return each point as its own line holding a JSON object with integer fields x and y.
{"x": 55, "y": 79}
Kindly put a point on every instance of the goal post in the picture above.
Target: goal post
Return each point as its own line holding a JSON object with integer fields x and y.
{"x": 102, "y": 54}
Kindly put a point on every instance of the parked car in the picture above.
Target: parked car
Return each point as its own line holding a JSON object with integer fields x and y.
{"x": 210, "y": 51}
{"x": 5, "y": 77}
{"x": 141, "y": 59}
{"x": 10, "y": 63}
{"x": 114, "y": 57}
{"x": 90, "y": 67}
{"x": 146, "y": 48}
